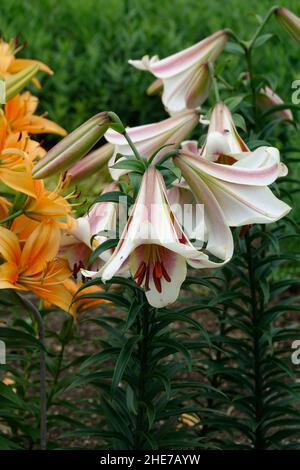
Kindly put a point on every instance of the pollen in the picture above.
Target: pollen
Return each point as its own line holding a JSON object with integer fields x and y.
{"x": 152, "y": 267}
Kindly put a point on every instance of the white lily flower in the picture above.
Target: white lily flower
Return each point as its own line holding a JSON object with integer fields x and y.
{"x": 79, "y": 242}
{"x": 184, "y": 75}
{"x": 238, "y": 191}
{"x": 154, "y": 247}
{"x": 222, "y": 136}
{"x": 150, "y": 137}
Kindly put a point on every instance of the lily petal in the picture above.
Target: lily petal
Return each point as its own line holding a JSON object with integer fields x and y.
{"x": 222, "y": 136}
{"x": 40, "y": 248}
{"x": 260, "y": 168}
{"x": 150, "y": 137}
{"x": 184, "y": 75}
{"x": 175, "y": 266}
{"x": 154, "y": 244}
{"x": 9, "y": 246}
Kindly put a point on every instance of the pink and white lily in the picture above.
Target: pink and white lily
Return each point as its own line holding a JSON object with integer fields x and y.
{"x": 150, "y": 137}
{"x": 88, "y": 232}
{"x": 289, "y": 21}
{"x": 268, "y": 98}
{"x": 234, "y": 195}
{"x": 222, "y": 136}
{"x": 184, "y": 75}
{"x": 154, "y": 247}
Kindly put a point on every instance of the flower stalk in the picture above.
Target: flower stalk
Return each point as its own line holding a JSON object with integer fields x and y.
{"x": 43, "y": 385}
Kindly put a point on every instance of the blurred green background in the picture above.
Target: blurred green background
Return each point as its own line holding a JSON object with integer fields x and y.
{"x": 87, "y": 43}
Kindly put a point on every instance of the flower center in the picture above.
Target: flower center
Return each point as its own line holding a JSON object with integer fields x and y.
{"x": 76, "y": 269}
{"x": 152, "y": 266}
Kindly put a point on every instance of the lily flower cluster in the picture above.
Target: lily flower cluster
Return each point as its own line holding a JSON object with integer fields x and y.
{"x": 154, "y": 165}
{"x": 33, "y": 217}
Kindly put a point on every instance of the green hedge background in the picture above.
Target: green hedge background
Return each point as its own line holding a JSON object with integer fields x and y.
{"x": 88, "y": 42}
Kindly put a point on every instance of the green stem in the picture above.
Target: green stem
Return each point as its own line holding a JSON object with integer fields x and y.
{"x": 121, "y": 129}
{"x": 11, "y": 216}
{"x": 43, "y": 402}
{"x": 252, "y": 84}
{"x": 56, "y": 376}
{"x": 235, "y": 37}
{"x": 133, "y": 147}
{"x": 259, "y": 442}
{"x": 64, "y": 341}
{"x": 248, "y": 47}
{"x": 143, "y": 324}
{"x": 261, "y": 26}
{"x": 211, "y": 70}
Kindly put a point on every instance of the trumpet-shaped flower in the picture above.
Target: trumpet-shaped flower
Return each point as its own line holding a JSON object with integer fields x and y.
{"x": 19, "y": 112}
{"x": 222, "y": 138}
{"x": 234, "y": 195}
{"x": 153, "y": 246}
{"x": 184, "y": 75}
{"x": 268, "y": 98}
{"x": 34, "y": 267}
{"x": 150, "y": 137}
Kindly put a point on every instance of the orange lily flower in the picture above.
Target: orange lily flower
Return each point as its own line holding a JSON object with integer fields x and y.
{"x": 4, "y": 205}
{"x": 49, "y": 205}
{"x": 17, "y": 152}
{"x": 44, "y": 205}
{"x": 19, "y": 112}
{"x": 10, "y": 65}
{"x": 35, "y": 267}
{"x": 13, "y": 174}
{"x": 16, "y": 155}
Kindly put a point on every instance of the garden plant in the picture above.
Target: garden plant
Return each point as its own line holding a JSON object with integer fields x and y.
{"x": 149, "y": 273}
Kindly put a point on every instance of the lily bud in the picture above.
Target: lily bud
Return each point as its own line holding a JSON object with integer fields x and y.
{"x": 268, "y": 98}
{"x": 289, "y": 21}
{"x": 15, "y": 83}
{"x": 156, "y": 87}
{"x": 73, "y": 147}
{"x": 93, "y": 162}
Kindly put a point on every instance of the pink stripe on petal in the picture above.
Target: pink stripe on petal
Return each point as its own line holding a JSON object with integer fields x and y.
{"x": 259, "y": 176}
{"x": 206, "y": 50}
{"x": 147, "y": 131}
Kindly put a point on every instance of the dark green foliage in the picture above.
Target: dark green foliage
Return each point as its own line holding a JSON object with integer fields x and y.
{"x": 87, "y": 44}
